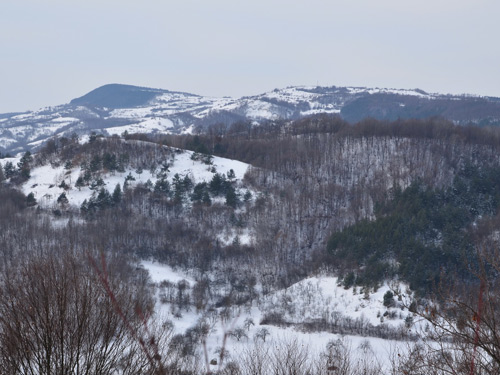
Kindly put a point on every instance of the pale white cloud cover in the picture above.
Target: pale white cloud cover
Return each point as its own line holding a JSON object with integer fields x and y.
{"x": 52, "y": 51}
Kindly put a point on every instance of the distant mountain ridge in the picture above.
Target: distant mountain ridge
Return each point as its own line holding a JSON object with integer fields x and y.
{"x": 118, "y": 96}
{"x": 116, "y": 108}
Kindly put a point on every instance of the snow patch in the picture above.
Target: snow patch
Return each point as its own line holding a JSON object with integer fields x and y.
{"x": 149, "y": 125}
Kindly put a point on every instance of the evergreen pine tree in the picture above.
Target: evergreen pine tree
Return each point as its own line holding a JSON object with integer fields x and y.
{"x": 24, "y": 165}
{"x": 164, "y": 169}
{"x": 25, "y": 160}
{"x": 103, "y": 199}
{"x": 79, "y": 182}
{"x": 95, "y": 164}
{"x": 231, "y": 197}
{"x": 231, "y": 175}
{"x": 162, "y": 186}
{"x": 123, "y": 161}
{"x": 2, "y": 176}
{"x": 117, "y": 195}
{"x": 178, "y": 185}
{"x": 139, "y": 171}
{"x": 92, "y": 137}
{"x": 218, "y": 184}
{"x": 187, "y": 183}
{"x": 62, "y": 199}
{"x": 84, "y": 208}
{"x": 198, "y": 192}
{"x": 247, "y": 196}
{"x": 25, "y": 173}
{"x": 389, "y": 299}
{"x": 9, "y": 169}
{"x": 148, "y": 185}
{"x": 99, "y": 182}
{"x": 120, "y": 167}
{"x": 87, "y": 175}
{"x": 109, "y": 162}
{"x": 206, "y": 198}
{"x": 31, "y": 200}
{"x": 68, "y": 165}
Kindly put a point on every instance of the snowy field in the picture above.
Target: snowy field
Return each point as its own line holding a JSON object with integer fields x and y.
{"x": 308, "y": 297}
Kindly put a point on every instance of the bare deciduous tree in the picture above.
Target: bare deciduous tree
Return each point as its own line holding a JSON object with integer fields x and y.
{"x": 55, "y": 318}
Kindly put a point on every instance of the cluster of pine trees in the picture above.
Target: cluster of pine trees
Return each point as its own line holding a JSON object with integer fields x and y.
{"x": 420, "y": 233}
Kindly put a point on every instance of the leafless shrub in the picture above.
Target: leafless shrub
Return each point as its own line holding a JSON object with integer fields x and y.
{"x": 55, "y": 319}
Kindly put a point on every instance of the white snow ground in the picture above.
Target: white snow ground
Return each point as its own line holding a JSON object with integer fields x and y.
{"x": 308, "y": 296}
{"x": 45, "y": 180}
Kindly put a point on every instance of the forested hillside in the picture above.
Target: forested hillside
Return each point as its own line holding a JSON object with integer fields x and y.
{"x": 247, "y": 211}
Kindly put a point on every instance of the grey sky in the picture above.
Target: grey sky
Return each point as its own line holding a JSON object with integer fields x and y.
{"x": 52, "y": 51}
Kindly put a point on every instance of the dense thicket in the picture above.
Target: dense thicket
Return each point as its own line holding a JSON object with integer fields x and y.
{"x": 420, "y": 233}
{"x": 262, "y": 145}
{"x": 56, "y": 318}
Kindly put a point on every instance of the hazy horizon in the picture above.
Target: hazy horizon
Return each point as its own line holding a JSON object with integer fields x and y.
{"x": 54, "y": 52}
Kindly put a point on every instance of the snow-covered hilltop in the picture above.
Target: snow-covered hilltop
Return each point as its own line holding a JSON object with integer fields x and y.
{"x": 114, "y": 109}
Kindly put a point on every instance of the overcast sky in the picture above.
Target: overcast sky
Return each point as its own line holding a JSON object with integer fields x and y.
{"x": 53, "y": 51}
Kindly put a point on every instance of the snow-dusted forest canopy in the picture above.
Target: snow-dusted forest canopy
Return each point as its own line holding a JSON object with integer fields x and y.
{"x": 379, "y": 240}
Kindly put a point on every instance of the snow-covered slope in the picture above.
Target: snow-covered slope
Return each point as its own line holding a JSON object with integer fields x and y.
{"x": 114, "y": 109}
{"x": 309, "y": 300}
{"x": 46, "y": 181}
